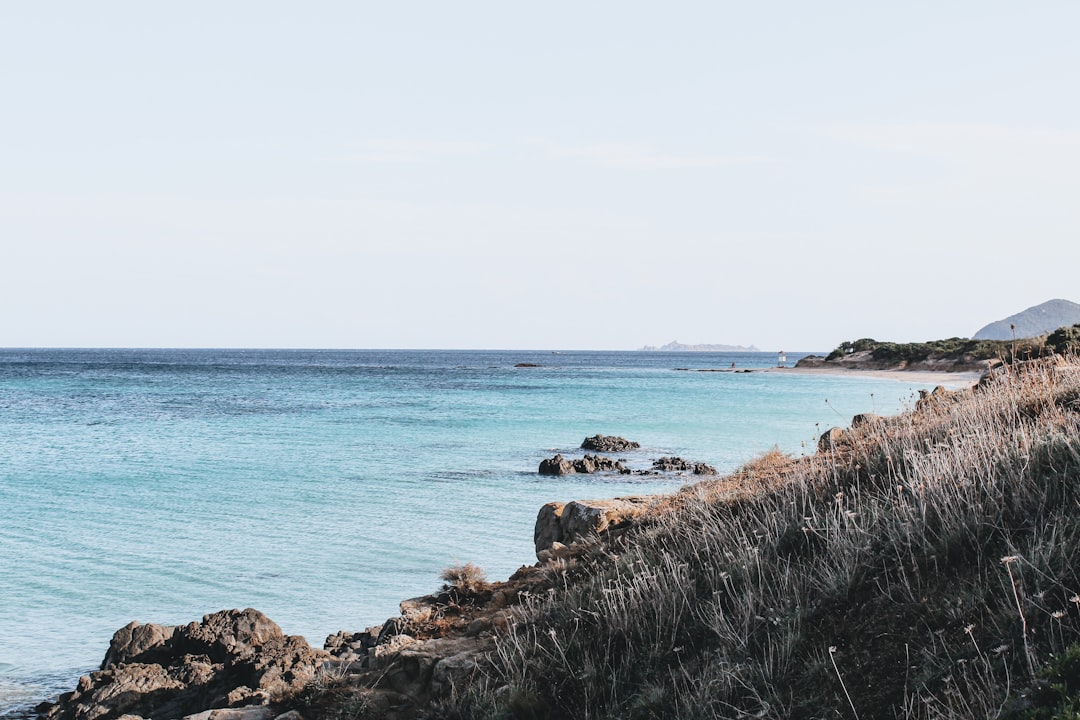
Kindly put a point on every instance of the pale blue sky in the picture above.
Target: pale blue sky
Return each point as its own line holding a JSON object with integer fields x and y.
{"x": 510, "y": 175}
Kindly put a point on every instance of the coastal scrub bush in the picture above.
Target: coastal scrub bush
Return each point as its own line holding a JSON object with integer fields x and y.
{"x": 846, "y": 348}
{"x": 954, "y": 349}
{"x": 467, "y": 580}
{"x": 1057, "y": 694}
{"x": 925, "y": 569}
{"x": 1064, "y": 340}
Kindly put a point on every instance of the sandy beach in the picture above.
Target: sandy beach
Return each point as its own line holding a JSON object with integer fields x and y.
{"x": 922, "y": 377}
{"x": 935, "y": 377}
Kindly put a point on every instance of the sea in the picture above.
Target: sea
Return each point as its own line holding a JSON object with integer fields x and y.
{"x": 325, "y": 486}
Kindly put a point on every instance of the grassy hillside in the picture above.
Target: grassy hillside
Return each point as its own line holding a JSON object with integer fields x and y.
{"x": 927, "y": 566}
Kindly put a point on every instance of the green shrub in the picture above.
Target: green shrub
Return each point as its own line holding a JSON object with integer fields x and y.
{"x": 955, "y": 349}
{"x": 1064, "y": 340}
{"x": 1056, "y": 694}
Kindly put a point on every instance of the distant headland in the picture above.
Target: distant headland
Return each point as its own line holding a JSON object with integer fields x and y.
{"x": 1035, "y": 321}
{"x": 676, "y": 346}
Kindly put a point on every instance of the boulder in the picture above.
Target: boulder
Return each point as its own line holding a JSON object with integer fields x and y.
{"x": 830, "y": 440}
{"x": 928, "y": 399}
{"x": 452, "y": 671}
{"x": 430, "y": 668}
{"x": 564, "y": 523}
{"x": 608, "y": 443}
{"x": 283, "y": 666}
{"x": 587, "y": 465}
{"x": 548, "y": 528}
{"x": 115, "y": 692}
{"x": 229, "y": 634}
{"x": 247, "y": 713}
{"x": 677, "y": 464}
{"x": 556, "y": 551}
{"x": 556, "y": 466}
{"x": 232, "y": 658}
{"x": 351, "y": 646}
{"x": 135, "y": 642}
{"x": 387, "y": 649}
{"x": 865, "y": 419}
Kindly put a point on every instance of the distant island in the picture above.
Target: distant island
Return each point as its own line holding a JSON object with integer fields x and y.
{"x": 676, "y": 346}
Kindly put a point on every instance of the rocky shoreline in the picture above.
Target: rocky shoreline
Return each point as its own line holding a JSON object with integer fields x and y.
{"x": 239, "y": 665}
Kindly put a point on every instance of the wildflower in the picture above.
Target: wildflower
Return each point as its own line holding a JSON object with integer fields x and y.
{"x": 1010, "y": 559}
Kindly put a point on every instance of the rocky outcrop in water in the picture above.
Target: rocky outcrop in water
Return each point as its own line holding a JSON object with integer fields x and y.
{"x": 608, "y": 443}
{"x": 677, "y": 464}
{"x": 232, "y": 659}
{"x": 559, "y": 465}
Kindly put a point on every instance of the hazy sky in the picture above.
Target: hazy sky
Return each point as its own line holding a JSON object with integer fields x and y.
{"x": 533, "y": 175}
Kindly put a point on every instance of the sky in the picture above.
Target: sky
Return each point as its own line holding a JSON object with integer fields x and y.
{"x": 600, "y": 175}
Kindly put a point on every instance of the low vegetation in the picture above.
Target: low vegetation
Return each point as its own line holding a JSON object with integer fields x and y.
{"x": 466, "y": 580}
{"x": 1061, "y": 341}
{"x": 923, "y": 567}
{"x": 1064, "y": 340}
{"x": 936, "y": 349}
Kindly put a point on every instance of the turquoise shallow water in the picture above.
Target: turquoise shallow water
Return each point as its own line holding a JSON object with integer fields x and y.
{"x": 323, "y": 487}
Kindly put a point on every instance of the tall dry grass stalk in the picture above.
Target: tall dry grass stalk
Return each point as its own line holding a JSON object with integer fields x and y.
{"x": 882, "y": 557}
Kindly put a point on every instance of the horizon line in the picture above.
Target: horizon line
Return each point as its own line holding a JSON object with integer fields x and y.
{"x": 386, "y": 349}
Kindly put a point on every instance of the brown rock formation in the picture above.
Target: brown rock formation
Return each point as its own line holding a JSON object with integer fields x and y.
{"x": 559, "y": 465}
{"x": 231, "y": 658}
{"x": 608, "y": 443}
{"x": 677, "y": 464}
{"x": 566, "y": 523}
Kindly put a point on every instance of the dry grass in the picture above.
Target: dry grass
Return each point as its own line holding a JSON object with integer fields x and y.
{"x": 925, "y": 568}
{"x": 466, "y": 580}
